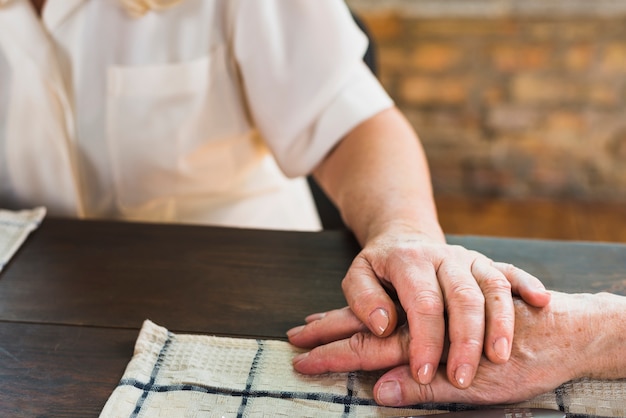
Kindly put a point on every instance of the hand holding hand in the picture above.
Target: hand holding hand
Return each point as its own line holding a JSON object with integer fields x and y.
{"x": 552, "y": 345}
{"x": 432, "y": 280}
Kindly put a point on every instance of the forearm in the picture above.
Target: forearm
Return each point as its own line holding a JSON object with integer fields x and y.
{"x": 378, "y": 177}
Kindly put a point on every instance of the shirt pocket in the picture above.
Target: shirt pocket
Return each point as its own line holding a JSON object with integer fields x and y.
{"x": 171, "y": 130}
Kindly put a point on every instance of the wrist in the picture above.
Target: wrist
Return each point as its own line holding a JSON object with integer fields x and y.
{"x": 422, "y": 230}
{"x": 605, "y": 352}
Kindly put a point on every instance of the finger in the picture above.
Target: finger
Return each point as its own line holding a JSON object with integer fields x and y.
{"x": 499, "y": 310}
{"x": 525, "y": 285}
{"x": 397, "y": 388}
{"x": 362, "y": 351}
{"x": 466, "y": 321}
{"x": 422, "y": 300}
{"x": 330, "y": 326}
{"x": 368, "y": 299}
{"x": 314, "y": 317}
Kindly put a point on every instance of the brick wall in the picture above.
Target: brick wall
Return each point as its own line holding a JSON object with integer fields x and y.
{"x": 513, "y": 103}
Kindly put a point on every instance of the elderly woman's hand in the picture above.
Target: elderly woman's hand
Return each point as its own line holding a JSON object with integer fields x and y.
{"x": 431, "y": 280}
{"x": 575, "y": 336}
{"x": 378, "y": 177}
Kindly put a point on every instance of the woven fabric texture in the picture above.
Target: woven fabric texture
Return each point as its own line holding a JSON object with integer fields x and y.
{"x": 174, "y": 375}
{"x": 14, "y": 228}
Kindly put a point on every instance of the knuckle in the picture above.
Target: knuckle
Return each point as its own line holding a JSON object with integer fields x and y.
{"x": 456, "y": 248}
{"x": 459, "y": 252}
{"x": 345, "y": 283}
{"x": 479, "y": 257}
{"x": 464, "y": 349}
{"x": 495, "y": 283}
{"x": 428, "y": 302}
{"x": 490, "y": 278}
{"x": 469, "y": 344}
{"x": 358, "y": 344}
{"x": 502, "y": 322}
{"x": 466, "y": 295}
{"x": 507, "y": 268}
{"x": 362, "y": 294}
{"x": 425, "y": 393}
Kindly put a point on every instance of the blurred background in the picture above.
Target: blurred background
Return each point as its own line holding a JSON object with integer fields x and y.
{"x": 520, "y": 105}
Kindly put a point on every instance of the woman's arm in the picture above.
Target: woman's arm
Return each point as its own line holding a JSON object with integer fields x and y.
{"x": 378, "y": 177}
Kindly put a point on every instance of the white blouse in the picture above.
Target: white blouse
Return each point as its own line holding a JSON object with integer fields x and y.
{"x": 206, "y": 112}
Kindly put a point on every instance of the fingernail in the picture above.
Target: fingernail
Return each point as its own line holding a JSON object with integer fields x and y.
{"x": 379, "y": 319}
{"x": 463, "y": 374}
{"x": 424, "y": 374}
{"x": 295, "y": 331}
{"x": 315, "y": 317}
{"x": 389, "y": 393}
{"x": 501, "y": 347}
{"x": 300, "y": 357}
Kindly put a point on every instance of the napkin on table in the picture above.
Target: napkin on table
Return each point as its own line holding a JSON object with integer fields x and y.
{"x": 14, "y": 228}
{"x": 179, "y": 375}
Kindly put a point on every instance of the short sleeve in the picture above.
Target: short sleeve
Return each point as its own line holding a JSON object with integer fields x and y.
{"x": 306, "y": 86}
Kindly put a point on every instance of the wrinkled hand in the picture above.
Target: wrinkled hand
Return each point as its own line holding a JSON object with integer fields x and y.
{"x": 432, "y": 280}
{"x": 552, "y": 345}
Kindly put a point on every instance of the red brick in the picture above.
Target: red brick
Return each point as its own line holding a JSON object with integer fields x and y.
{"x": 463, "y": 28}
{"x": 520, "y": 107}
{"x": 434, "y": 90}
{"x": 613, "y": 58}
{"x": 492, "y": 95}
{"x": 512, "y": 118}
{"x": 515, "y": 57}
{"x": 578, "y": 57}
{"x": 392, "y": 59}
{"x": 535, "y": 89}
{"x": 560, "y": 29}
{"x": 435, "y": 57}
{"x": 566, "y": 121}
{"x": 604, "y": 94}
{"x": 617, "y": 147}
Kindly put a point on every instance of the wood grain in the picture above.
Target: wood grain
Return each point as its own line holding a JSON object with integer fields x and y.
{"x": 74, "y": 296}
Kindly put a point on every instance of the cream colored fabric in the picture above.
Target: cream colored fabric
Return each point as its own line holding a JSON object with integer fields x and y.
{"x": 194, "y": 113}
{"x": 14, "y": 228}
{"x": 174, "y": 375}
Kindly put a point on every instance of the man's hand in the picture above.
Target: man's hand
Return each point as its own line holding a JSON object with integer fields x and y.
{"x": 552, "y": 345}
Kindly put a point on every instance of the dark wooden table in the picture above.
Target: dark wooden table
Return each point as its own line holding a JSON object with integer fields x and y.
{"x": 74, "y": 296}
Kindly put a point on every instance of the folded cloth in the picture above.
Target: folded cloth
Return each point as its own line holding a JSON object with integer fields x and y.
{"x": 174, "y": 375}
{"x": 14, "y": 228}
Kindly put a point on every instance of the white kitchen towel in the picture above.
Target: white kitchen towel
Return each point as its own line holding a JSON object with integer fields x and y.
{"x": 180, "y": 375}
{"x": 14, "y": 228}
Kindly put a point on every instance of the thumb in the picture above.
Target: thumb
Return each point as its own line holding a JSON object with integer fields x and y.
{"x": 368, "y": 299}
